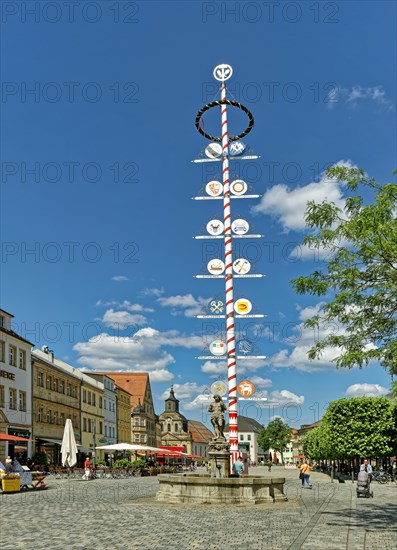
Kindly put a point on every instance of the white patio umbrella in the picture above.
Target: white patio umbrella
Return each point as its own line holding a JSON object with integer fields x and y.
{"x": 69, "y": 447}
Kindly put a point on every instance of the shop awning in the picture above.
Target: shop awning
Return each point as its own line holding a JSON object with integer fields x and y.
{"x": 56, "y": 441}
{"x": 8, "y": 437}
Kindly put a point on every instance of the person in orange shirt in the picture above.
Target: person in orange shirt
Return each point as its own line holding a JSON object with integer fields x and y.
{"x": 305, "y": 474}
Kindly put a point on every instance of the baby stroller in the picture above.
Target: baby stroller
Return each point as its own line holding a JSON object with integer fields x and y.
{"x": 363, "y": 485}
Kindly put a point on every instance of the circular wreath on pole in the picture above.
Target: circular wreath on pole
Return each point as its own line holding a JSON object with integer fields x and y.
{"x": 224, "y": 102}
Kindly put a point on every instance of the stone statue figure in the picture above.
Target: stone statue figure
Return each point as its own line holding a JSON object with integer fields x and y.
{"x": 218, "y": 409}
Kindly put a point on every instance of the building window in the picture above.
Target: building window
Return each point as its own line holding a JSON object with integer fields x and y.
{"x": 40, "y": 415}
{"x": 84, "y": 424}
{"x": 49, "y": 417}
{"x": 68, "y": 389}
{"x": 100, "y": 403}
{"x": 143, "y": 438}
{"x": 89, "y": 397}
{"x": 241, "y": 437}
{"x": 249, "y": 437}
{"x": 40, "y": 379}
{"x": 61, "y": 386}
{"x": 2, "y": 351}
{"x": 12, "y": 353}
{"x": 136, "y": 421}
{"x": 22, "y": 359}
{"x": 106, "y": 430}
{"x": 55, "y": 384}
{"x": 22, "y": 400}
{"x": 100, "y": 427}
{"x": 84, "y": 396}
{"x": 168, "y": 427}
{"x": 162, "y": 426}
{"x": 94, "y": 399}
{"x": 62, "y": 419}
{"x": 13, "y": 399}
{"x": 176, "y": 427}
{"x": 55, "y": 417}
{"x": 2, "y": 397}
{"x": 104, "y": 404}
{"x": 136, "y": 438}
{"x": 48, "y": 383}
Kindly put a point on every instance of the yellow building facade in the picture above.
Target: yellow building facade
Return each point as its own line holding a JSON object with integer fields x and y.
{"x": 56, "y": 397}
{"x": 123, "y": 415}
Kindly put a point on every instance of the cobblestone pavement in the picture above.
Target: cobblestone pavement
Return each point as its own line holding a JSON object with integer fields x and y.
{"x": 122, "y": 514}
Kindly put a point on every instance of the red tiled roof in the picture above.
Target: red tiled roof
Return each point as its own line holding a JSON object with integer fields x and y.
{"x": 133, "y": 382}
{"x": 199, "y": 432}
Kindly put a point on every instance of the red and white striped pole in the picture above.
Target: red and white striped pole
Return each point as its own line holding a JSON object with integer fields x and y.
{"x": 230, "y": 329}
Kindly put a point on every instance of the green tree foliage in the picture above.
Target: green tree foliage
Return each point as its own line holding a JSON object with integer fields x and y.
{"x": 360, "y": 427}
{"x": 317, "y": 444}
{"x": 276, "y": 436}
{"x": 360, "y": 278}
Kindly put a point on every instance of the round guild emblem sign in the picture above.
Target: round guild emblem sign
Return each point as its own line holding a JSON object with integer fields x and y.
{"x": 242, "y": 306}
{"x": 217, "y": 347}
{"x": 246, "y": 388}
{"x": 223, "y": 72}
{"x": 218, "y": 388}
{"x": 214, "y": 188}
{"x": 213, "y": 150}
{"x": 216, "y": 267}
{"x": 215, "y": 227}
{"x": 240, "y": 226}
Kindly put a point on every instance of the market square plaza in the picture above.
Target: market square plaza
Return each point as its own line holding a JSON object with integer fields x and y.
{"x": 123, "y": 513}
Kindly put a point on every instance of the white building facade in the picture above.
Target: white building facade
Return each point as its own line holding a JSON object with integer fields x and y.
{"x": 15, "y": 387}
{"x": 109, "y": 408}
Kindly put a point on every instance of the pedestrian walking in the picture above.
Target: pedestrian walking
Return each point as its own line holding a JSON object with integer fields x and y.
{"x": 305, "y": 474}
{"x": 87, "y": 469}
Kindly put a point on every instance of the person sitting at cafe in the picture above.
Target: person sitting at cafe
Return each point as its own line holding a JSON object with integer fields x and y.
{"x": 9, "y": 467}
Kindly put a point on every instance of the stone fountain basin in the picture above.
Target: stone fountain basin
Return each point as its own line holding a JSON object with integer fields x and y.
{"x": 202, "y": 489}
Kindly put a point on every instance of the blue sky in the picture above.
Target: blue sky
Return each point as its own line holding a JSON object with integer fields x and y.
{"x": 97, "y": 218}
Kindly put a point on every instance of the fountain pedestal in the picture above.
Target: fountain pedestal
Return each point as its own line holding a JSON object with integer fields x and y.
{"x": 219, "y": 455}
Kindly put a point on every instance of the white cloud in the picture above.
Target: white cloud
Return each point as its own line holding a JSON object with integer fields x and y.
{"x": 161, "y": 375}
{"x": 125, "y": 304}
{"x": 260, "y": 382}
{"x": 215, "y": 368}
{"x": 200, "y": 402}
{"x": 370, "y": 390}
{"x": 303, "y": 339}
{"x": 120, "y": 278}
{"x": 122, "y": 319}
{"x": 284, "y": 397}
{"x": 142, "y": 351}
{"x": 358, "y": 94}
{"x": 106, "y": 352}
{"x": 183, "y": 391}
{"x": 309, "y": 311}
{"x": 187, "y": 303}
{"x": 153, "y": 292}
{"x": 289, "y": 205}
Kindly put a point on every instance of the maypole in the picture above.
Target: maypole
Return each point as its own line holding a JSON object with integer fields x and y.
{"x": 224, "y": 148}
{"x": 230, "y": 334}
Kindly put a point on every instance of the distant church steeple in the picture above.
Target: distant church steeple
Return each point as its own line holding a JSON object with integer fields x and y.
{"x": 172, "y": 403}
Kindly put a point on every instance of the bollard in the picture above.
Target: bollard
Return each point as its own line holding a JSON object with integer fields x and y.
{"x": 352, "y": 476}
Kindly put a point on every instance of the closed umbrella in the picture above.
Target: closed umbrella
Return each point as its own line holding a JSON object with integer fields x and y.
{"x": 69, "y": 447}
